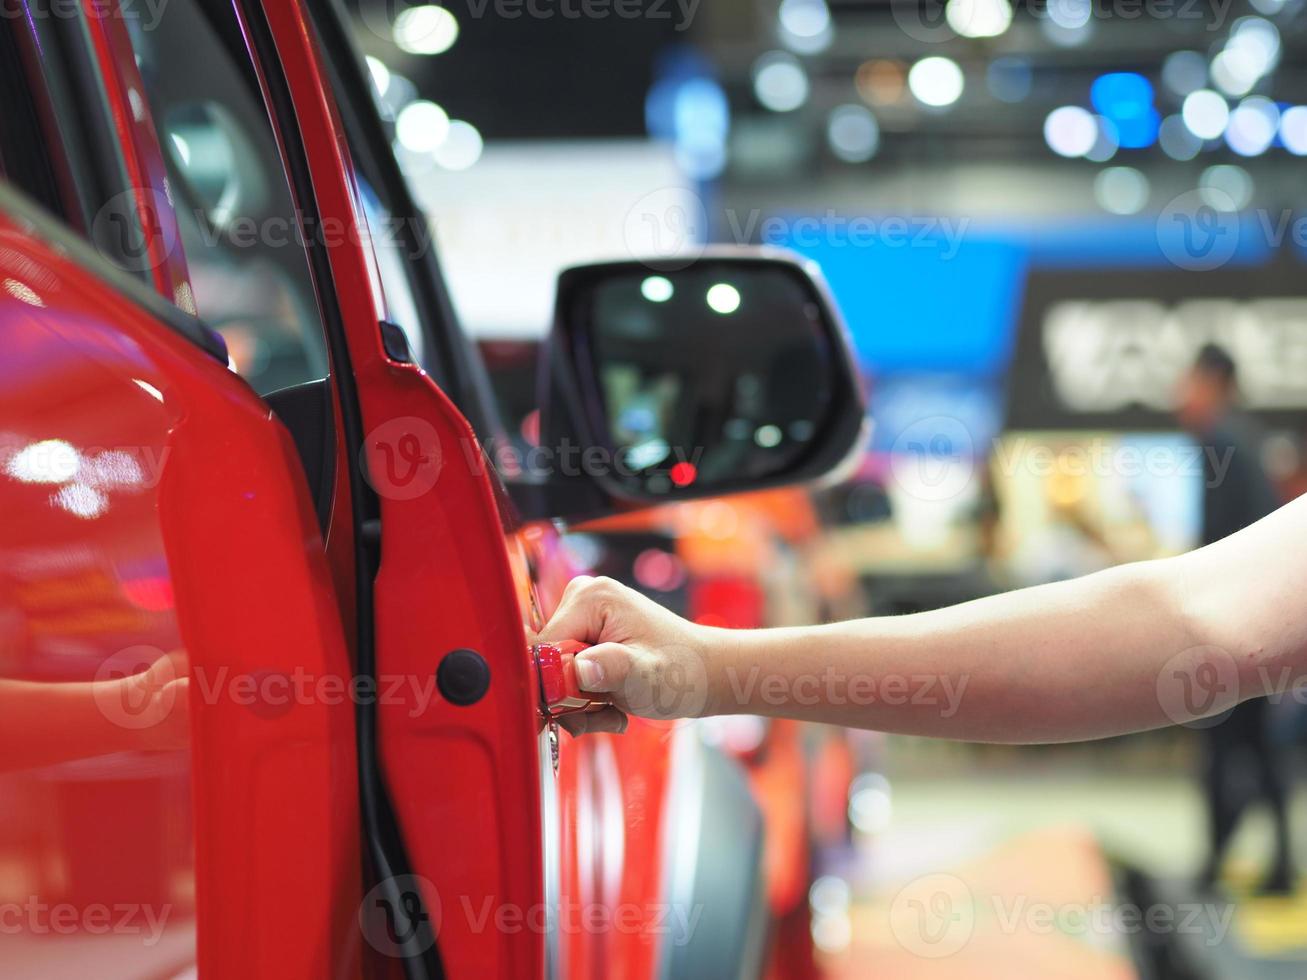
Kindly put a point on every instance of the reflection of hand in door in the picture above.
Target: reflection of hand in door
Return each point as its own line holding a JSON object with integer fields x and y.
{"x": 44, "y": 723}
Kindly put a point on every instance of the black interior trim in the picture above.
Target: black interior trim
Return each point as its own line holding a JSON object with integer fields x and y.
{"x": 306, "y": 411}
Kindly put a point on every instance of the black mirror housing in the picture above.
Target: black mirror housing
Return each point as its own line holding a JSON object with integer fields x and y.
{"x": 665, "y": 381}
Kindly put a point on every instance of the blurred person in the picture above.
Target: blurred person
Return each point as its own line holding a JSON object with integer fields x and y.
{"x": 1244, "y": 763}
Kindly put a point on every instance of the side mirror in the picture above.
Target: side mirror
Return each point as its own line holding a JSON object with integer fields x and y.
{"x": 731, "y": 373}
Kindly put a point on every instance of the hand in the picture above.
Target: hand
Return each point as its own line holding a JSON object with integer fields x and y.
{"x": 648, "y": 660}
{"x": 159, "y": 696}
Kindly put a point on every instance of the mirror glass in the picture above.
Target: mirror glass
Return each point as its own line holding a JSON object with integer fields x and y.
{"x": 718, "y": 374}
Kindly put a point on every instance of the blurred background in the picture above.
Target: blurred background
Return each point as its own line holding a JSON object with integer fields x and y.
{"x": 1033, "y": 215}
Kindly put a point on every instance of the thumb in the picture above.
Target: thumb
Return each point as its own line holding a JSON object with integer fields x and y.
{"x": 603, "y": 668}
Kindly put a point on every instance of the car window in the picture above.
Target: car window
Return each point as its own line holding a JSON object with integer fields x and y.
{"x": 242, "y": 236}
{"x": 395, "y": 266}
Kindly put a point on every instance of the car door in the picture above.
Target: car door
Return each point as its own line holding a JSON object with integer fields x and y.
{"x": 178, "y": 793}
{"x": 528, "y": 854}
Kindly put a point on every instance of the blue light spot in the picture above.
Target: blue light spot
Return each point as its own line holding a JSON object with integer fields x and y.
{"x": 1139, "y": 131}
{"x": 1122, "y": 95}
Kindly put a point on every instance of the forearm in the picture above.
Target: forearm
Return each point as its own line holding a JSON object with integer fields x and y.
{"x": 1061, "y": 662}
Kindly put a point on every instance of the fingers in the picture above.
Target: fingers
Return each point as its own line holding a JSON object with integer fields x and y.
{"x": 603, "y": 668}
{"x": 592, "y": 722}
{"x": 583, "y": 610}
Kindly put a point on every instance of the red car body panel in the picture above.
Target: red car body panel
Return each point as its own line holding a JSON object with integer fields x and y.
{"x": 180, "y": 510}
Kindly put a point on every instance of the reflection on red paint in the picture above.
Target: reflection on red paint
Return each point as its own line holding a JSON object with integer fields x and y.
{"x": 684, "y": 473}
{"x": 659, "y": 570}
{"x": 153, "y": 594}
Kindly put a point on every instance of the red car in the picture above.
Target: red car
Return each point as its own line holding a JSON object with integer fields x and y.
{"x": 267, "y": 697}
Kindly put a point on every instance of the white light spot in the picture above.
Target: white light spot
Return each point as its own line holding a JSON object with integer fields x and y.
{"x": 48, "y": 461}
{"x": 1293, "y": 130}
{"x": 426, "y": 30}
{"x": 183, "y": 148}
{"x": 1235, "y": 71}
{"x": 1071, "y": 131}
{"x": 380, "y": 75}
{"x": 657, "y": 289}
{"x": 1121, "y": 190}
{"x": 806, "y": 25}
{"x": 421, "y": 126}
{"x": 723, "y": 298}
{"x": 779, "y": 81}
{"x": 1226, "y": 187}
{"x": 461, "y": 147}
{"x": 23, "y": 292}
{"x": 768, "y": 436}
{"x": 936, "y": 81}
{"x": 1253, "y": 126}
{"x": 1070, "y": 15}
{"x": 81, "y": 500}
{"x": 978, "y": 18}
{"x": 853, "y": 133}
{"x": 149, "y": 389}
{"x": 1205, "y": 113}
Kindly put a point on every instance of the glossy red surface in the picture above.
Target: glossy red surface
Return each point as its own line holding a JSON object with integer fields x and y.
{"x": 152, "y": 507}
{"x": 560, "y": 691}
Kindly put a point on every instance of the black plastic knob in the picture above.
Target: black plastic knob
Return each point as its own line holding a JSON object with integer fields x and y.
{"x": 463, "y": 677}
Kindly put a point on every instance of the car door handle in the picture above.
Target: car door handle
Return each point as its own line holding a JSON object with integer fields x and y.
{"x": 560, "y": 693}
